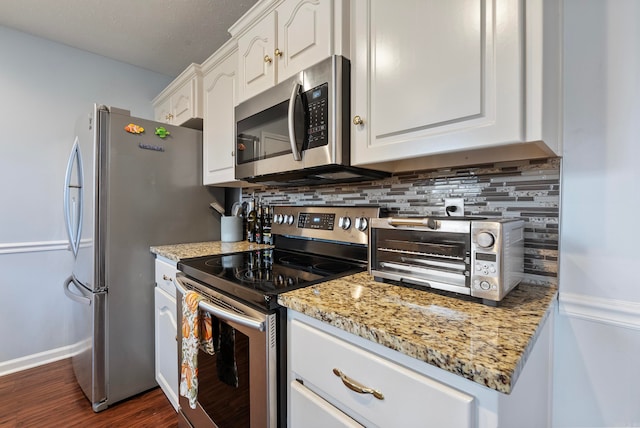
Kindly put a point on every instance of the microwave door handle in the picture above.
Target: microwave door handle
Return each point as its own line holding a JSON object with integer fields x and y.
{"x": 291, "y": 120}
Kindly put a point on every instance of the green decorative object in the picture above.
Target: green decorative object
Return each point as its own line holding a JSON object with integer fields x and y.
{"x": 162, "y": 132}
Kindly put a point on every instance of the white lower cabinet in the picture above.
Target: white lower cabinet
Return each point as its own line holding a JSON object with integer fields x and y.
{"x": 399, "y": 397}
{"x": 379, "y": 387}
{"x": 166, "y": 328}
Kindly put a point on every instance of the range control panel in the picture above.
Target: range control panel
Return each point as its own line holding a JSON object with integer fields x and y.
{"x": 333, "y": 223}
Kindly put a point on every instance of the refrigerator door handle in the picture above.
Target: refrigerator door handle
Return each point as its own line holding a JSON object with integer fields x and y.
{"x": 73, "y": 296}
{"x": 74, "y": 231}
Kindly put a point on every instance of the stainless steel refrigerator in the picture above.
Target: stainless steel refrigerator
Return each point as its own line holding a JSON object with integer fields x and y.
{"x": 131, "y": 183}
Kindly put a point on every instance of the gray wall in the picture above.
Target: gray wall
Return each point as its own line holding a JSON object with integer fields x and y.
{"x": 45, "y": 87}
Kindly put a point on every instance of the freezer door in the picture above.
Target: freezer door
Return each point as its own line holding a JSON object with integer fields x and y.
{"x": 89, "y": 364}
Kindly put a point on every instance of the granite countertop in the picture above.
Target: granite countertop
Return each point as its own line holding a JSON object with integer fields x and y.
{"x": 178, "y": 252}
{"x": 488, "y": 345}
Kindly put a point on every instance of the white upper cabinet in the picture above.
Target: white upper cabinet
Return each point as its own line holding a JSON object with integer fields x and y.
{"x": 278, "y": 39}
{"x": 304, "y": 35}
{"x": 438, "y": 83}
{"x": 180, "y": 103}
{"x": 218, "y": 127}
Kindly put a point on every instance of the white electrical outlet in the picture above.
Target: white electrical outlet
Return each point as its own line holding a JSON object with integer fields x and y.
{"x": 454, "y": 207}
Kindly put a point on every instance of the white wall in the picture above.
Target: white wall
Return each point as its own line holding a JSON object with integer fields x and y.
{"x": 597, "y": 348}
{"x": 44, "y": 88}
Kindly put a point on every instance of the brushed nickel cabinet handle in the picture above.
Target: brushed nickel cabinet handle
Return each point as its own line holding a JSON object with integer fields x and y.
{"x": 357, "y": 386}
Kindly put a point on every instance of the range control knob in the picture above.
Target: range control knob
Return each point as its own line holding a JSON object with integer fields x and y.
{"x": 289, "y": 219}
{"x": 485, "y": 239}
{"x": 485, "y": 285}
{"x": 344, "y": 223}
{"x": 278, "y": 219}
{"x": 361, "y": 223}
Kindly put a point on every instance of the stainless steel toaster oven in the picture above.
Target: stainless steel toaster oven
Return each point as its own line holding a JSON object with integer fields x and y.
{"x": 476, "y": 256}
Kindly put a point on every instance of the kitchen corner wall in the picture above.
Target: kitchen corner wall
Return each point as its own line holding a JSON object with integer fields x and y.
{"x": 526, "y": 189}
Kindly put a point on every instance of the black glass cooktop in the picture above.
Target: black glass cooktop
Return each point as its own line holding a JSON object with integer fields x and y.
{"x": 257, "y": 277}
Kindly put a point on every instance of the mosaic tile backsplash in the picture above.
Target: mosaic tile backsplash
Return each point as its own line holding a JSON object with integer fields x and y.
{"x": 526, "y": 189}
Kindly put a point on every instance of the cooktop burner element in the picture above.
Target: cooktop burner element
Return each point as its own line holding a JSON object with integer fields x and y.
{"x": 312, "y": 245}
{"x": 263, "y": 274}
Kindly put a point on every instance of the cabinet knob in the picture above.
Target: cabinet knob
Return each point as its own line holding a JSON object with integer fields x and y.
{"x": 167, "y": 278}
{"x": 169, "y": 116}
{"x": 268, "y": 59}
{"x": 233, "y": 153}
{"x": 357, "y": 120}
{"x": 277, "y": 52}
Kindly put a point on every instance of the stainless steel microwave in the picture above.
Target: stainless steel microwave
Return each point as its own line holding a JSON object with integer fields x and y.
{"x": 298, "y": 132}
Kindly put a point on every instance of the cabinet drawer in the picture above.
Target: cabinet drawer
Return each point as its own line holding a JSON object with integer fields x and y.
{"x": 310, "y": 411}
{"x": 165, "y": 274}
{"x": 409, "y": 398}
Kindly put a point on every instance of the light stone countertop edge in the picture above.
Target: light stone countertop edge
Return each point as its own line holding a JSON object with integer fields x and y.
{"x": 433, "y": 328}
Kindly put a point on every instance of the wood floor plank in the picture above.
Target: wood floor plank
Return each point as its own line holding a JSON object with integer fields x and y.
{"x": 48, "y": 396}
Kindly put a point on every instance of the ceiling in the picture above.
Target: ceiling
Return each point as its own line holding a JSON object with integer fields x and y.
{"x": 164, "y": 36}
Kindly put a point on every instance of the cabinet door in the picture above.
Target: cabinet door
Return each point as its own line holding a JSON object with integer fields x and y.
{"x": 307, "y": 410}
{"x": 162, "y": 112}
{"x": 304, "y": 35}
{"x": 183, "y": 103}
{"x": 166, "y": 345}
{"x": 435, "y": 76}
{"x": 256, "y": 63}
{"x": 219, "y": 123}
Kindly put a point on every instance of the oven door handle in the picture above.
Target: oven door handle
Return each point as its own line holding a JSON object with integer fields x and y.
{"x": 223, "y": 313}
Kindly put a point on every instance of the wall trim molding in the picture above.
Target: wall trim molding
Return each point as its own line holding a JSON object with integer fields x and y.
{"x": 35, "y": 360}
{"x": 33, "y": 247}
{"x": 38, "y": 246}
{"x": 607, "y": 311}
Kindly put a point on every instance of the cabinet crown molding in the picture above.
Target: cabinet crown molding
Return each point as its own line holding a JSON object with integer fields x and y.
{"x": 253, "y": 15}
{"x": 193, "y": 70}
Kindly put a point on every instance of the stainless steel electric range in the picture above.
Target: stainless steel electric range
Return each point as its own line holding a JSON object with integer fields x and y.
{"x": 244, "y": 383}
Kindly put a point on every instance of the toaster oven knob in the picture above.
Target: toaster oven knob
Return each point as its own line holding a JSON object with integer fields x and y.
{"x": 344, "y": 223}
{"x": 485, "y": 285}
{"x": 289, "y": 219}
{"x": 485, "y": 239}
{"x": 361, "y": 223}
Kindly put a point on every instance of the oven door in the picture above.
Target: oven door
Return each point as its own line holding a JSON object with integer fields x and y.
{"x": 237, "y": 386}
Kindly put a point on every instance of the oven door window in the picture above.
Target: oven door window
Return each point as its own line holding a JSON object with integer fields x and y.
{"x": 431, "y": 256}
{"x": 223, "y": 390}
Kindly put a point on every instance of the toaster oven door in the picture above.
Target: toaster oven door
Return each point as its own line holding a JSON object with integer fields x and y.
{"x": 434, "y": 259}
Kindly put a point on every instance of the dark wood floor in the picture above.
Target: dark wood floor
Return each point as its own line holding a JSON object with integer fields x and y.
{"x": 48, "y": 396}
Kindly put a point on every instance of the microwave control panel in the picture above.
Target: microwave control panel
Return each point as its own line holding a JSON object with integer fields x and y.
{"x": 317, "y": 106}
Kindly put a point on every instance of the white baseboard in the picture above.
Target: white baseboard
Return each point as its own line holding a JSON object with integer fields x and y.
{"x": 35, "y": 360}
{"x": 607, "y": 311}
